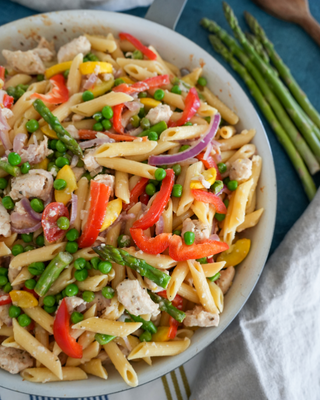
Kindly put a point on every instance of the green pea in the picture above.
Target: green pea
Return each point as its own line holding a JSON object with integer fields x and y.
{"x": 202, "y": 81}
{"x": 30, "y": 284}
{"x": 3, "y": 280}
{"x": 3, "y": 271}
{"x": 63, "y": 223}
{"x": 217, "y": 187}
{"x": 88, "y": 296}
{"x": 215, "y": 277}
{"x": 176, "y": 169}
{"x": 72, "y": 290}
{"x": 14, "y": 159}
{"x": 3, "y": 183}
{"x": 58, "y": 297}
{"x": 98, "y": 127}
{"x": 36, "y": 268}
{"x": 7, "y": 288}
{"x": 8, "y": 203}
{"x": 232, "y": 185}
{"x": 177, "y": 232}
{"x": 159, "y": 94}
{"x": 59, "y": 184}
{"x": 49, "y": 301}
{"x": 160, "y": 174}
{"x": 28, "y": 248}
{"x": 142, "y": 113}
{"x": 25, "y": 167}
{"x": 72, "y": 247}
{"x": 150, "y": 189}
{"x": 219, "y": 217}
{"x": 153, "y": 136}
{"x": 188, "y": 124}
{"x": 189, "y": 238}
{"x": 95, "y": 261}
{"x": 72, "y": 235}
{"x": 32, "y": 125}
{"x": 118, "y": 82}
{"x": 11, "y": 91}
{"x": 105, "y": 267}
{"x": 123, "y": 241}
{"x": 183, "y": 148}
{"x": 222, "y": 168}
{"x": 76, "y": 317}
{"x": 53, "y": 144}
{"x": 145, "y": 123}
{"x": 154, "y": 182}
{"x": 40, "y": 240}
{"x": 98, "y": 116}
{"x": 202, "y": 260}
{"x": 93, "y": 57}
{"x": 27, "y": 237}
{"x": 50, "y": 310}
{"x": 177, "y": 190}
{"x": 226, "y": 180}
{"x": 24, "y": 320}
{"x": 61, "y": 147}
{"x": 17, "y": 249}
{"x": 40, "y": 77}
{"x": 14, "y": 311}
{"x": 85, "y": 59}
{"x": 226, "y": 202}
{"x": 135, "y": 121}
{"x": 107, "y": 112}
{"x": 63, "y": 293}
{"x": 87, "y": 95}
{"x": 19, "y": 92}
{"x": 57, "y": 154}
{"x": 23, "y": 87}
{"x": 66, "y": 73}
{"x": 108, "y": 292}
{"x": 61, "y": 162}
{"x": 137, "y": 55}
{"x": 103, "y": 339}
{"x": 142, "y": 95}
{"x": 37, "y": 205}
{"x": 176, "y": 89}
{"x": 81, "y": 275}
{"x": 145, "y": 337}
{"x": 79, "y": 264}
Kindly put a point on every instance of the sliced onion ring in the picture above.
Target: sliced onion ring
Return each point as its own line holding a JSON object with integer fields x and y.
{"x": 74, "y": 208}
{"x": 27, "y": 230}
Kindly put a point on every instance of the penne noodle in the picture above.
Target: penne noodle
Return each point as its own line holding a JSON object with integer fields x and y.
{"x": 107, "y": 327}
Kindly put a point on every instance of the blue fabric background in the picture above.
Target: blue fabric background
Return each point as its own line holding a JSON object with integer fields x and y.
{"x": 298, "y": 51}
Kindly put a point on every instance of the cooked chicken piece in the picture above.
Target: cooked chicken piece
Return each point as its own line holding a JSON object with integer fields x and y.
{"x": 78, "y": 172}
{"x": 35, "y": 153}
{"x": 201, "y": 230}
{"x": 14, "y": 360}
{"x": 36, "y": 183}
{"x": 108, "y": 180}
{"x": 5, "y": 227}
{"x": 73, "y": 302}
{"x": 28, "y": 62}
{"x": 73, "y": 48}
{"x": 160, "y": 113}
{"x": 89, "y": 160}
{"x": 241, "y": 170}
{"x": 101, "y": 302}
{"x": 199, "y": 317}
{"x": 226, "y": 278}
{"x": 45, "y": 50}
{"x": 4, "y": 315}
{"x": 136, "y": 299}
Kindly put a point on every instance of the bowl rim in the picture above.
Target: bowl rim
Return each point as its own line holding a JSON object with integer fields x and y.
{"x": 272, "y": 194}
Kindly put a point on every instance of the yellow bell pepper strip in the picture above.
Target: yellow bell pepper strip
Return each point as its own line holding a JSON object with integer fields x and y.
{"x": 114, "y": 209}
{"x": 90, "y": 67}
{"x": 57, "y": 69}
{"x": 101, "y": 88}
{"x": 126, "y": 79}
{"x": 23, "y": 299}
{"x": 64, "y": 196}
{"x": 162, "y": 334}
{"x": 42, "y": 164}
{"x": 149, "y": 103}
{"x": 236, "y": 253}
{"x": 209, "y": 175}
{"x": 49, "y": 132}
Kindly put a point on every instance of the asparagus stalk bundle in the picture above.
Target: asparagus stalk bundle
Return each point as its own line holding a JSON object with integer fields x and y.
{"x": 258, "y": 47}
{"x": 273, "y": 101}
{"x": 283, "y": 70}
{"x": 167, "y": 306}
{"x": 11, "y": 170}
{"x": 282, "y": 136}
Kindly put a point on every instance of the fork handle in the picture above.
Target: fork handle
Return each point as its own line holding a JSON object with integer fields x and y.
{"x": 312, "y": 27}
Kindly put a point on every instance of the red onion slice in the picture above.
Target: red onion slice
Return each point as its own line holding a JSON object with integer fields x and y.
{"x": 160, "y": 226}
{"x": 193, "y": 150}
{"x": 90, "y": 81}
{"x": 208, "y": 151}
{"x": 33, "y": 214}
{"x": 3, "y": 120}
{"x": 74, "y": 208}
{"x": 214, "y": 237}
{"x": 27, "y": 230}
{"x": 96, "y": 142}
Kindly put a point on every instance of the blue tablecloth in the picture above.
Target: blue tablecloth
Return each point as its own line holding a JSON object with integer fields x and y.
{"x": 292, "y": 43}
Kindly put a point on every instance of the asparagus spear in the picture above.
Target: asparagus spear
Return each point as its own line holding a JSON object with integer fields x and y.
{"x": 120, "y": 256}
{"x": 159, "y": 128}
{"x": 277, "y": 107}
{"x": 294, "y": 156}
{"x": 52, "y": 272}
{"x": 283, "y": 70}
{"x": 11, "y": 170}
{"x": 146, "y": 325}
{"x": 63, "y": 135}
{"x": 258, "y": 47}
{"x": 167, "y": 306}
{"x": 281, "y": 91}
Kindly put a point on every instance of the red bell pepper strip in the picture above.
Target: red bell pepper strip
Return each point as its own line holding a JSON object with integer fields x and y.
{"x": 158, "y": 205}
{"x": 117, "y": 123}
{"x": 180, "y": 251}
{"x": 99, "y": 195}
{"x": 208, "y": 197}
{"x": 86, "y": 134}
{"x": 2, "y": 73}
{"x": 58, "y": 94}
{"x": 50, "y": 215}
{"x": 7, "y": 101}
{"x": 136, "y": 192}
{"x": 209, "y": 163}
{"x": 124, "y": 138}
{"x": 61, "y": 332}
{"x": 154, "y": 245}
{"x": 142, "y": 86}
{"x": 138, "y": 45}
{"x": 5, "y": 299}
{"x": 192, "y": 104}
{"x": 177, "y": 302}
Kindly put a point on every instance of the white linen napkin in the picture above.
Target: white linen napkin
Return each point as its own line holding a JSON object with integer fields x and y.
{"x": 58, "y": 5}
{"x": 272, "y": 349}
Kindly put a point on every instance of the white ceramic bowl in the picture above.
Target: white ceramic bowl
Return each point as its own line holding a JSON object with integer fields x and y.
{"x": 63, "y": 26}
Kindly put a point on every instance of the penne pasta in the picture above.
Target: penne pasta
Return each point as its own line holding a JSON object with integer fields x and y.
{"x": 108, "y": 327}
{"x": 159, "y": 349}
